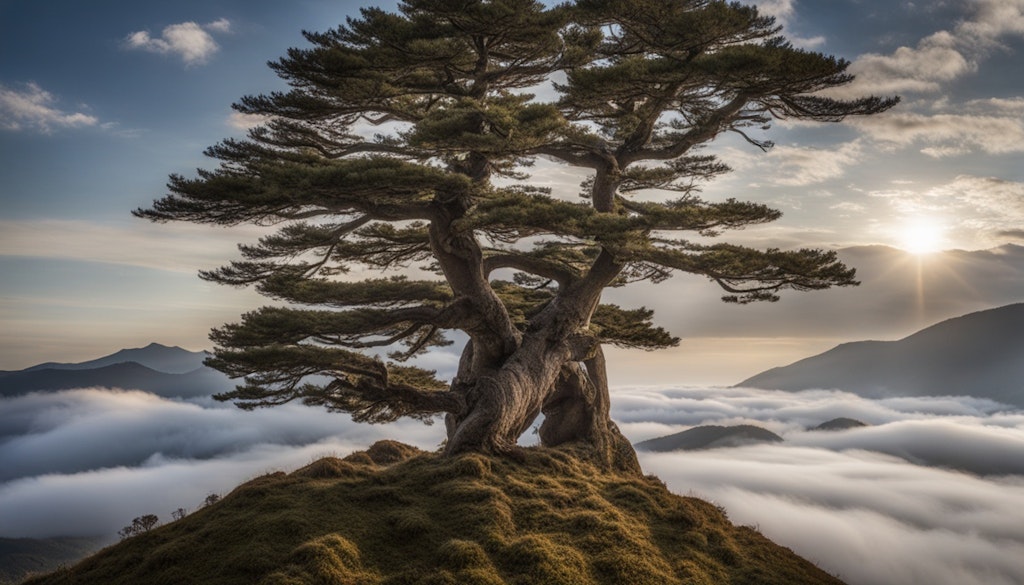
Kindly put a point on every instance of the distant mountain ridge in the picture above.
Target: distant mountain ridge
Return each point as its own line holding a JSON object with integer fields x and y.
{"x": 162, "y": 358}
{"x": 171, "y": 372}
{"x": 710, "y": 437}
{"x": 979, "y": 354}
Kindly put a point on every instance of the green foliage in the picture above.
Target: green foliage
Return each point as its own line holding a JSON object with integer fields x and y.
{"x": 642, "y": 85}
{"x": 394, "y": 515}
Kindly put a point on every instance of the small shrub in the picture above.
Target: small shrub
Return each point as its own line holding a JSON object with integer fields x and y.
{"x": 139, "y": 525}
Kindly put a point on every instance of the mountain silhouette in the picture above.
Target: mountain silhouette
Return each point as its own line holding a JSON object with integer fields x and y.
{"x": 710, "y": 437}
{"x": 839, "y": 424}
{"x": 171, "y": 372}
{"x": 980, "y": 354}
{"x": 170, "y": 360}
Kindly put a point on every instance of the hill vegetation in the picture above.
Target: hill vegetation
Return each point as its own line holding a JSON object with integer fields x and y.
{"x": 394, "y": 515}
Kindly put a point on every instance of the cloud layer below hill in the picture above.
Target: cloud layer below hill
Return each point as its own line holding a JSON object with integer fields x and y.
{"x": 927, "y": 494}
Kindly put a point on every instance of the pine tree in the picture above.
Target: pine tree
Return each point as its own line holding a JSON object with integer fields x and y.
{"x": 442, "y": 194}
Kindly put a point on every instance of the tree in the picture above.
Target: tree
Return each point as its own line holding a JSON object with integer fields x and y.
{"x": 442, "y": 193}
{"x": 139, "y": 525}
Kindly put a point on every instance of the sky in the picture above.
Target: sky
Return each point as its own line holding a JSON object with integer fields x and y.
{"x": 101, "y": 101}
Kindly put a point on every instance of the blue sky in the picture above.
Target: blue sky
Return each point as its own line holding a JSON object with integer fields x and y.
{"x": 100, "y": 101}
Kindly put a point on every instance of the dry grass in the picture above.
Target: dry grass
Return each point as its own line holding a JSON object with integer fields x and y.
{"x": 393, "y": 515}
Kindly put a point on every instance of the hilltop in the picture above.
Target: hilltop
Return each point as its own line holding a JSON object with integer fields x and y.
{"x": 394, "y": 515}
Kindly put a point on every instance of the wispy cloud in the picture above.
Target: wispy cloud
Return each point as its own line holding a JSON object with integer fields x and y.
{"x": 784, "y": 11}
{"x": 943, "y": 135}
{"x": 984, "y": 209}
{"x": 190, "y": 41}
{"x": 240, "y": 121}
{"x": 939, "y": 58}
{"x": 33, "y": 108}
{"x": 794, "y": 166}
{"x": 137, "y": 243}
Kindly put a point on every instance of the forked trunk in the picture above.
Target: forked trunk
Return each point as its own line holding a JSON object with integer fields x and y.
{"x": 540, "y": 378}
{"x": 578, "y": 411}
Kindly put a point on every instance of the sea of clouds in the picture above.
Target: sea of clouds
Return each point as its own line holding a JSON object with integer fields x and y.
{"x": 930, "y": 492}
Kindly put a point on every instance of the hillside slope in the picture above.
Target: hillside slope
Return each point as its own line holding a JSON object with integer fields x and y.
{"x": 394, "y": 515}
{"x": 980, "y": 354}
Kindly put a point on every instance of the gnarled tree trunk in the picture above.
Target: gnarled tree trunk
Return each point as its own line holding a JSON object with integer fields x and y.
{"x": 553, "y": 372}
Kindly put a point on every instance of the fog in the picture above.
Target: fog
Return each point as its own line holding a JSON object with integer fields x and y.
{"x": 929, "y": 493}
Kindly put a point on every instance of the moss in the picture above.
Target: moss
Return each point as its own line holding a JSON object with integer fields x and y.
{"x": 331, "y": 468}
{"x": 393, "y": 515}
{"x": 330, "y": 559}
{"x": 388, "y": 452}
{"x": 538, "y": 559}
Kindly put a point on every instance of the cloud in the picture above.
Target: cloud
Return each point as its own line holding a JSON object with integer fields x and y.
{"x": 32, "y": 108}
{"x": 993, "y": 20}
{"x": 940, "y": 57}
{"x": 1014, "y": 233}
{"x": 240, "y": 121}
{"x": 935, "y": 60}
{"x": 188, "y": 40}
{"x": 951, "y": 134}
{"x": 1009, "y": 105}
{"x": 84, "y": 462}
{"x": 784, "y": 11}
{"x": 984, "y": 209}
{"x": 842, "y": 499}
{"x": 176, "y": 247}
{"x": 874, "y": 505}
{"x": 221, "y": 25}
{"x": 794, "y": 166}
{"x": 871, "y": 519}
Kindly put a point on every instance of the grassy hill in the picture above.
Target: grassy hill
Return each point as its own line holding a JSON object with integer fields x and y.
{"x": 394, "y": 515}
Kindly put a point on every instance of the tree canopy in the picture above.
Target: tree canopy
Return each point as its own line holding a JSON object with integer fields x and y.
{"x": 402, "y": 149}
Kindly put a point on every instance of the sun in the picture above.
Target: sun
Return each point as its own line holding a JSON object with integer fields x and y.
{"x": 922, "y": 237}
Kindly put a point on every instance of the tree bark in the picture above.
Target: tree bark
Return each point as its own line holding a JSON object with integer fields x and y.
{"x": 578, "y": 412}
{"x": 548, "y": 372}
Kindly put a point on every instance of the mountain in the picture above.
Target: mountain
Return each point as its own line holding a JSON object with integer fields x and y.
{"x": 171, "y": 372}
{"x": 170, "y": 360}
{"x": 201, "y": 382}
{"x": 395, "y": 515}
{"x": 839, "y": 424}
{"x": 710, "y": 437}
{"x": 980, "y": 354}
